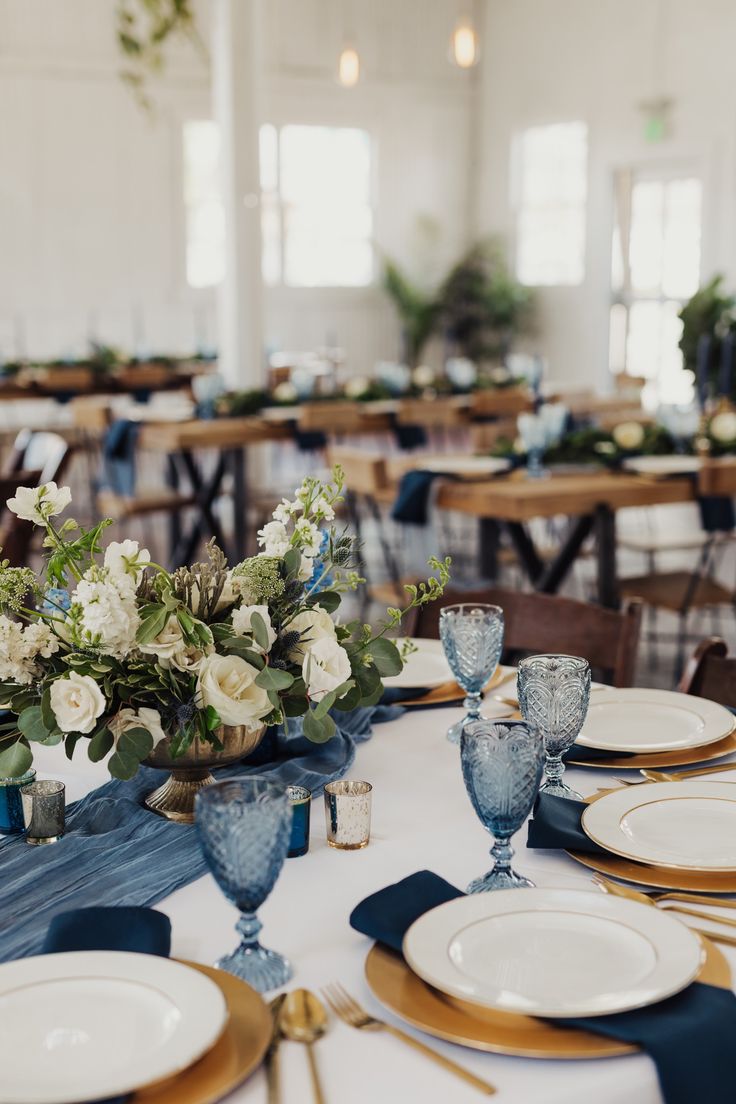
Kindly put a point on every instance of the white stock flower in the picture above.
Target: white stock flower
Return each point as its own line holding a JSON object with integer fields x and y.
{"x": 40, "y": 639}
{"x": 122, "y": 559}
{"x": 313, "y": 625}
{"x": 168, "y": 642}
{"x": 109, "y": 614}
{"x": 76, "y": 702}
{"x": 242, "y": 621}
{"x": 150, "y": 719}
{"x": 38, "y": 504}
{"x": 227, "y": 683}
{"x": 306, "y": 567}
{"x": 723, "y": 426}
{"x": 321, "y": 509}
{"x": 15, "y": 665}
{"x": 309, "y": 537}
{"x": 285, "y": 510}
{"x": 326, "y": 665}
{"x": 274, "y": 539}
{"x": 628, "y": 435}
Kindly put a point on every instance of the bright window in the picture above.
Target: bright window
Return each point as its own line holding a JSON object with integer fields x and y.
{"x": 316, "y": 213}
{"x": 550, "y": 165}
{"x": 655, "y": 269}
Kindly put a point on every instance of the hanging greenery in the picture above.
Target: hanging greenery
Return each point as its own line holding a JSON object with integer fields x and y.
{"x": 144, "y": 28}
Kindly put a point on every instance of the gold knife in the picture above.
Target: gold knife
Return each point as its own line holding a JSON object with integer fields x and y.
{"x": 273, "y": 1072}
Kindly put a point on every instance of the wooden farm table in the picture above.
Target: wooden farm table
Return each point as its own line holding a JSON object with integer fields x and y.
{"x": 230, "y": 438}
{"x": 592, "y": 499}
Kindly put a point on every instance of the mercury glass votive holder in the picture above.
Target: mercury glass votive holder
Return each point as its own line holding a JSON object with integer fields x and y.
{"x": 44, "y": 805}
{"x": 348, "y": 814}
{"x": 11, "y": 804}
{"x": 300, "y": 799}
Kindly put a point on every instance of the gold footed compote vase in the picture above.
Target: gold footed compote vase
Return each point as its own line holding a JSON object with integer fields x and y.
{"x": 190, "y": 772}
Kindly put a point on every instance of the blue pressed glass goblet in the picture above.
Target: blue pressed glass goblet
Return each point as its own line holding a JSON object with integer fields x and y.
{"x": 244, "y": 828}
{"x": 502, "y": 763}
{"x": 472, "y": 637}
{"x": 554, "y": 691}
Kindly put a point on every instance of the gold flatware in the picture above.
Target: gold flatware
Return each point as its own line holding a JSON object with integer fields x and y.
{"x": 351, "y": 1013}
{"x": 679, "y": 776}
{"x": 273, "y": 1069}
{"x": 615, "y": 890}
{"x": 303, "y": 1020}
{"x": 511, "y": 702}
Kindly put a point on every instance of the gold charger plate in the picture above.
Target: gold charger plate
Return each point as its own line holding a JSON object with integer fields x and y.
{"x": 451, "y": 691}
{"x": 397, "y": 988}
{"x": 657, "y": 877}
{"x": 237, "y": 1053}
{"x": 659, "y": 760}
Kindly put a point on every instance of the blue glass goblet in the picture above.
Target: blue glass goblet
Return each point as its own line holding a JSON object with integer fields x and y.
{"x": 554, "y": 691}
{"x": 502, "y": 763}
{"x": 472, "y": 637}
{"x": 244, "y": 828}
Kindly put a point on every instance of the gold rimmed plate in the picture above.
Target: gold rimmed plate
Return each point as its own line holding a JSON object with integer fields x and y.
{"x": 237, "y": 1053}
{"x": 407, "y": 996}
{"x": 656, "y": 877}
{"x": 662, "y": 760}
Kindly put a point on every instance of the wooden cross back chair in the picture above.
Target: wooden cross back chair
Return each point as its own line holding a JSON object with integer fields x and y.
{"x": 711, "y": 673}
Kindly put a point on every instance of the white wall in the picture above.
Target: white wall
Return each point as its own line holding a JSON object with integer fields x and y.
{"x": 91, "y": 214}
{"x": 596, "y": 60}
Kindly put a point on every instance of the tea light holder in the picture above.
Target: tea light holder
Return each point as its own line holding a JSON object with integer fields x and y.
{"x": 348, "y": 814}
{"x": 43, "y": 811}
{"x": 300, "y": 799}
{"x": 11, "y": 804}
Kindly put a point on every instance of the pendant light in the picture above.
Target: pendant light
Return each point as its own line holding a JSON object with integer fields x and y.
{"x": 348, "y": 65}
{"x": 464, "y": 45}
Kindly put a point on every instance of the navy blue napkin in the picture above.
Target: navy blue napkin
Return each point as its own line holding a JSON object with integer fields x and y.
{"x": 689, "y": 1036}
{"x": 412, "y": 501}
{"x": 392, "y": 695}
{"x": 555, "y": 823}
{"x": 594, "y": 755}
{"x": 122, "y": 928}
{"x": 118, "y": 455}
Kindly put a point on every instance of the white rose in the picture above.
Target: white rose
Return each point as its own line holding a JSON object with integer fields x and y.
{"x": 356, "y": 387}
{"x": 313, "y": 625}
{"x": 150, "y": 719}
{"x": 285, "y": 392}
{"x": 189, "y": 659}
{"x": 723, "y": 426}
{"x": 168, "y": 642}
{"x": 325, "y": 667}
{"x": 242, "y": 621}
{"x": 122, "y": 559}
{"x": 227, "y": 683}
{"x": 628, "y": 435}
{"x": 76, "y": 702}
{"x": 38, "y": 504}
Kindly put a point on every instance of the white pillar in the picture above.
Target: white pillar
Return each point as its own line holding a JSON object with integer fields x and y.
{"x": 236, "y": 60}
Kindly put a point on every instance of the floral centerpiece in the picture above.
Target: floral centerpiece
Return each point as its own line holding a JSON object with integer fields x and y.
{"x": 718, "y": 435}
{"x": 135, "y": 663}
{"x": 592, "y": 445}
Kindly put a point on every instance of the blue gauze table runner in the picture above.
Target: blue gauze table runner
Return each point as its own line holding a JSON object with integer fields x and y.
{"x": 116, "y": 852}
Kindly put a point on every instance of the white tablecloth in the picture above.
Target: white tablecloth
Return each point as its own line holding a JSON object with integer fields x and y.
{"x": 422, "y": 818}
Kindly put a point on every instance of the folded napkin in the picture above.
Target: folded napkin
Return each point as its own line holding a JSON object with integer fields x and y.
{"x": 594, "y": 755}
{"x": 394, "y": 696}
{"x": 689, "y": 1036}
{"x": 121, "y": 928}
{"x": 555, "y": 823}
{"x": 412, "y": 501}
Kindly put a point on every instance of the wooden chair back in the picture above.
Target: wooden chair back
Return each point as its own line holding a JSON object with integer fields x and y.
{"x": 91, "y": 413}
{"x": 366, "y": 473}
{"x": 334, "y": 418}
{"x": 43, "y": 457}
{"x": 429, "y": 413}
{"x": 539, "y": 623}
{"x": 711, "y": 673}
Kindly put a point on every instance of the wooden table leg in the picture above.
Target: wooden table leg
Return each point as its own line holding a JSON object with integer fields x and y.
{"x": 238, "y": 465}
{"x": 205, "y": 492}
{"x": 525, "y": 550}
{"x": 489, "y": 534}
{"x": 172, "y": 479}
{"x": 605, "y": 527}
{"x": 554, "y": 573}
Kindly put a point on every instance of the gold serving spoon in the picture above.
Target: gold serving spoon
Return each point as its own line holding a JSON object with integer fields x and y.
{"x": 303, "y": 1019}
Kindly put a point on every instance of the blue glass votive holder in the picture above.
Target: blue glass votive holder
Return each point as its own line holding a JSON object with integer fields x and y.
{"x": 11, "y": 805}
{"x": 300, "y": 799}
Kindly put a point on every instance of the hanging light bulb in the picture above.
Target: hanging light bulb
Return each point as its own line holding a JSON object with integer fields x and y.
{"x": 464, "y": 44}
{"x": 348, "y": 67}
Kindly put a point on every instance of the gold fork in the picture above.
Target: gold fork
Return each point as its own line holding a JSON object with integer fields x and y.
{"x": 616, "y": 890}
{"x": 351, "y": 1013}
{"x": 679, "y": 776}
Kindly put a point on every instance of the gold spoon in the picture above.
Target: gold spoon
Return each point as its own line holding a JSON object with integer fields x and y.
{"x": 273, "y": 1072}
{"x": 303, "y": 1020}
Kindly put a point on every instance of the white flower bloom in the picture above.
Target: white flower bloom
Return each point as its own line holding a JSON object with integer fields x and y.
{"x": 40, "y": 639}
{"x": 723, "y": 426}
{"x": 76, "y": 702}
{"x": 326, "y": 665}
{"x": 321, "y": 509}
{"x": 285, "y": 510}
{"x": 274, "y": 539}
{"x": 227, "y": 683}
{"x": 122, "y": 558}
{"x": 306, "y": 567}
{"x": 628, "y": 435}
{"x": 309, "y": 537}
{"x": 313, "y": 624}
{"x": 15, "y": 663}
{"x": 168, "y": 642}
{"x": 189, "y": 659}
{"x": 149, "y": 719}
{"x": 499, "y": 375}
{"x": 423, "y": 376}
{"x": 285, "y": 392}
{"x": 242, "y": 620}
{"x": 356, "y": 387}
{"x": 38, "y": 504}
{"x": 109, "y": 614}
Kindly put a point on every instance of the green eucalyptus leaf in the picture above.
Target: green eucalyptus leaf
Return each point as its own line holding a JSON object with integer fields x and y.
{"x": 135, "y": 742}
{"x": 31, "y": 724}
{"x": 270, "y": 678}
{"x": 100, "y": 744}
{"x": 16, "y": 759}
{"x": 71, "y": 741}
{"x": 47, "y": 713}
{"x": 292, "y": 562}
{"x": 123, "y": 766}
{"x": 386, "y": 656}
{"x": 329, "y": 600}
{"x": 260, "y": 633}
{"x": 318, "y": 729}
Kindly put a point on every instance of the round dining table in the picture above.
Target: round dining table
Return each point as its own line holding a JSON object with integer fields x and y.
{"x": 422, "y": 819}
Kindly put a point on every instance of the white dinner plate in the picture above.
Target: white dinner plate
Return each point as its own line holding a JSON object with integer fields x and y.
{"x": 87, "y": 1025}
{"x": 426, "y": 667}
{"x": 552, "y": 952}
{"x": 643, "y": 721}
{"x": 662, "y": 465}
{"x": 470, "y": 466}
{"x": 689, "y": 825}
